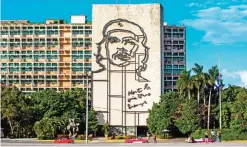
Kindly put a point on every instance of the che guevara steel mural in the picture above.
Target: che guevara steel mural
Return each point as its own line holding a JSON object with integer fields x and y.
{"x": 124, "y": 44}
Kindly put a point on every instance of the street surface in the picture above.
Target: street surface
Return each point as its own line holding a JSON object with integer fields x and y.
{"x": 42, "y": 144}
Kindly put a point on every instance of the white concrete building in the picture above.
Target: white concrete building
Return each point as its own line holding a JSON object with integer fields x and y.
{"x": 127, "y": 63}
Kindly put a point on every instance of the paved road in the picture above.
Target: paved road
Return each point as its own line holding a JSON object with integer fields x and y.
{"x": 17, "y": 144}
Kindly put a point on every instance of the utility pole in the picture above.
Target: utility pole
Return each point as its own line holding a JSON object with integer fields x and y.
{"x": 220, "y": 92}
{"x": 87, "y": 76}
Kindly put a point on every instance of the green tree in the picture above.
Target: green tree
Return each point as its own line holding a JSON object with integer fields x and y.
{"x": 45, "y": 129}
{"x": 199, "y": 80}
{"x": 16, "y": 110}
{"x": 92, "y": 120}
{"x": 213, "y": 73}
{"x": 188, "y": 120}
{"x": 239, "y": 111}
{"x": 106, "y": 128}
{"x": 185, "y": 83}
{"x": 162, "y": 114}
{"x": 60, "y": 107}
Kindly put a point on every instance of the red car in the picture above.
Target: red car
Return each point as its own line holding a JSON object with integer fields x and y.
{"x": 202, "y": 140}
{"x": 63, "y": 140}
{"x": 140, "y": 140}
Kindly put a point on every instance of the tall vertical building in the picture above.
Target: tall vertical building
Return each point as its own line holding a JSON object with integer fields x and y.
{"x": 127, "y": 64}
{"x": 51, "y": 55}
{"x": 174, "y": 54}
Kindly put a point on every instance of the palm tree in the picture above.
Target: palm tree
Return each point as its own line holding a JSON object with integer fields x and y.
{"x": 212, "y": 73}
{"x": 185, "y": 83}
{"x": 199, "y": 80}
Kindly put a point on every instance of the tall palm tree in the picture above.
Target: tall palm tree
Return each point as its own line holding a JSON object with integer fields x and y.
{"x": 199, "y": 79}
{"x": 185, "y": 83}
{"x": 205, "y": 87}
{"x": 212, "y": 74}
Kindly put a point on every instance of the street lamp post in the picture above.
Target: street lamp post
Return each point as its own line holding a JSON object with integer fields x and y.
{"x": 87, "y": 83}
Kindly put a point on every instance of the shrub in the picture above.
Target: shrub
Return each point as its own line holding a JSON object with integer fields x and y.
{"x": 164, "y": 136}
{"x": 44, "y": 129}
{"x": 120, "y": 137}
{"x": 83, "y": 137}
{"x": 242, "y": 136}
{"x": 80, "y": 137}
{"x": 198, "y": 133}
{"x": 226, "y": 134}
{"x": 62, "y": 136}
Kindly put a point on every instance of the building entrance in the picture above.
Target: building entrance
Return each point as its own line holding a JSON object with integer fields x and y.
{"x": 142, "y": 131}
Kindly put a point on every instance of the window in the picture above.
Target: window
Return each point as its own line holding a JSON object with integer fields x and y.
{"x": 87, "y": 64}
{"x": 181, "y": 66}
{"x": 48, "y": 64}
{"x": 88, "y": 52}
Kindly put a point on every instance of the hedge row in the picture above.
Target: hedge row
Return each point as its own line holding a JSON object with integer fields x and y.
{"x": 122, "y": 137}
{"x": 226, "y": 134}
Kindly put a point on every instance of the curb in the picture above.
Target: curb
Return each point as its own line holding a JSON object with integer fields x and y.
{"x": 123, "y": 140}
{"x": 234, "y": 141}
{"x": 244, "y": 141}
{"x": 76, "y": 141}
{"x": 116, "y": 141}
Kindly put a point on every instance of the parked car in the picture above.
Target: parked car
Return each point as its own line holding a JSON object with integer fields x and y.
{"x": 63, "y": 140}
{"x": 138, "y": 140}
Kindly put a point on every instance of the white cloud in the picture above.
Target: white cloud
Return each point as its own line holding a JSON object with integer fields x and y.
{"x": 195, "y": 5}
{"x": 241, "y": 75}
{"x": 220, "y": 25}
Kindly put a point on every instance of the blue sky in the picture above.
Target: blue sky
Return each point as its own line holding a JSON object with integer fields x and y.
{"x": 214, "y": 27}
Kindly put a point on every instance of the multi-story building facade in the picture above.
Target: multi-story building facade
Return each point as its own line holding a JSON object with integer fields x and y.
{"x": 127, "y": 69}
{"x": 175, "y": 55}
{"x": 50, "y": 55}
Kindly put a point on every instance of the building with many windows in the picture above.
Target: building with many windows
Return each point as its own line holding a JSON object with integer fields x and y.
{"x": 175, "y": 55}
{"x": 51, "y": 55}
{"x": 57, "y": 55}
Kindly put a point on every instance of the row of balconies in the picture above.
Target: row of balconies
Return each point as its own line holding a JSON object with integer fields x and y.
{"x": 174, "y": 62}
{"x": 43, "y": 73}
{"x": 52, "y": 85}
{"x": 48, "y": 36}
{"x": 45, "y": 47}
{"x": 47, "y": 60}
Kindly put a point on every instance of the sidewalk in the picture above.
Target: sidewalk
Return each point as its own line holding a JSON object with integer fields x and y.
{"x": 102, "y": 140}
